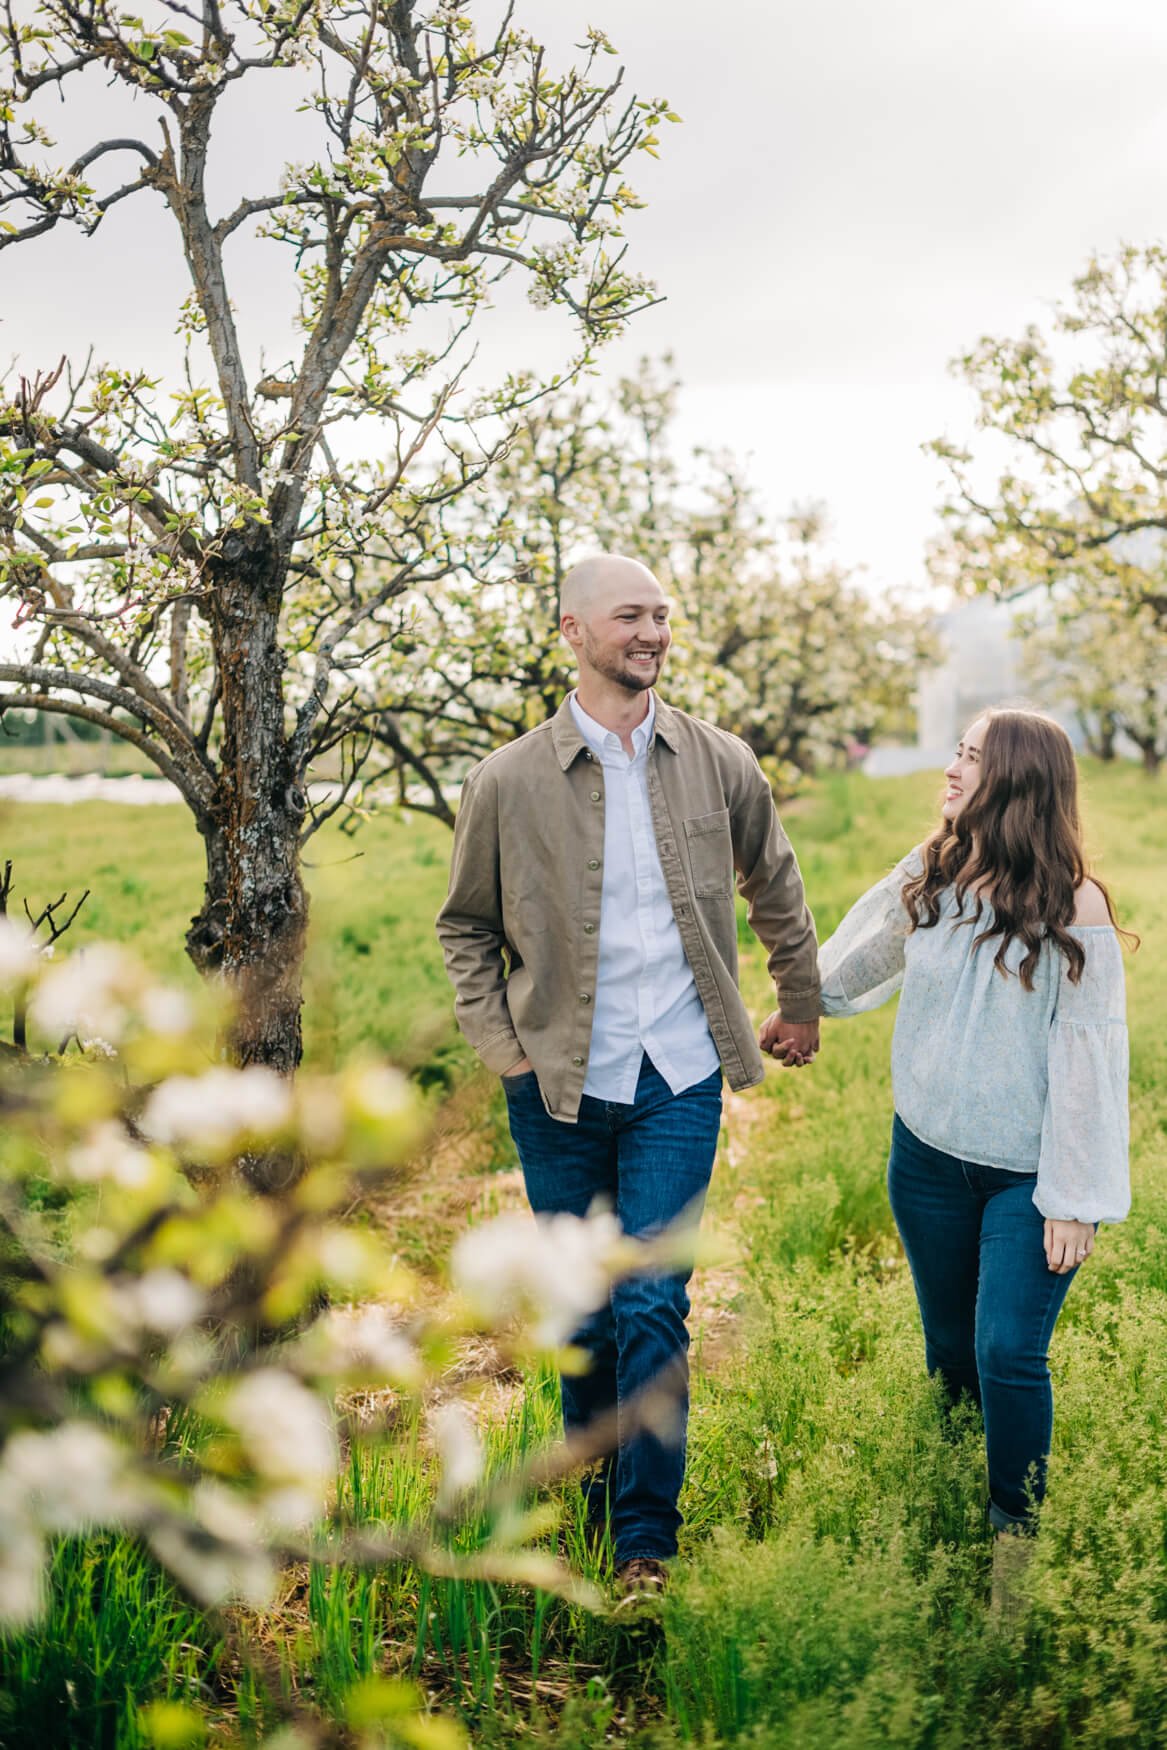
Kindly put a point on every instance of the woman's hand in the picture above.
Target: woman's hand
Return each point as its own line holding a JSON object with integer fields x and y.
{"x": 793, "y": 1043}
{"x": 1068, "y": 1244}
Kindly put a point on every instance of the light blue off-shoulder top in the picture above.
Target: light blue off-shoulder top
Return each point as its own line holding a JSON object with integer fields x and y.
{"x": 1034, "y": 1081}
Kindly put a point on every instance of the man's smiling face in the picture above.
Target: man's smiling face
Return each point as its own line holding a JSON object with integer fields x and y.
{"x": 625, "y": 634}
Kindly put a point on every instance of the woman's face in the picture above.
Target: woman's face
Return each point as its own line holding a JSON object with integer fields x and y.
{"x": 963, "y": 775}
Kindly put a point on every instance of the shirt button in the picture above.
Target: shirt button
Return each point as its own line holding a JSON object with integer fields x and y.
{"x": 593, "y": 862}
{"x": 589, "y": 929}
{"x": 578, "y": 1062}
{"x": 595, "y": 795}
{"x": 584, "y": 997}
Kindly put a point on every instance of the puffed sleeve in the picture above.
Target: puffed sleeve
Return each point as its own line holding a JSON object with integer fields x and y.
{"x": 1083, "y": 1172}
{"x": 862, "y": 964}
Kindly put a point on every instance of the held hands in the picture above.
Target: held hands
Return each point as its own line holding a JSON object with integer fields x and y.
{"x": 1068, "y": 1244}
{"x": 793, "y": 1043}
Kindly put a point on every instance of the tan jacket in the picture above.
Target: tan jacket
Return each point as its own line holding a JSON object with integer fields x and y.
{"x": 525, "y": 887}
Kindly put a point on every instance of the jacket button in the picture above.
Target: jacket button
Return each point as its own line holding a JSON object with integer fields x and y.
{"x": 589, "y": 929}
{"x": 593, "y": 862}
{"x": 595, "y": 795}
{"x": 584, "y": 997}
{"x": 578, "y": 1062}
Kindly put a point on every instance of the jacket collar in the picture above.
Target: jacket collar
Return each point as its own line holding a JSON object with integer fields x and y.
{"x": 569, "y": 743}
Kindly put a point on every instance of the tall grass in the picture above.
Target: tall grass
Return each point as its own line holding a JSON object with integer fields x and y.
{"x": 832, "y": 1587}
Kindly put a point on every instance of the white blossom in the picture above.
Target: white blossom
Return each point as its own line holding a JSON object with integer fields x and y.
{"x": 285, "y": 1429}
{"x": 99, "y": 1047}
{"x": 459, "y": 1451}
{"x": 90, "y": 994}
{"x": 365, "y": 1340}
{"x": 162, "y": 1300}
{"x": 22, "y": 1570}
{"x": 167, "y": 1011}
{"x": 69, "y": 1478}
{"x": 288, "y": 1509}
{"x": 109, "y": 1154}
{"x": 378, "y": 1091}
{"x": 218, "y": 1108}
{"x": 216, "y": 1554}
{"x": 19, "y": 955}
{"x": 560, "y": 1266}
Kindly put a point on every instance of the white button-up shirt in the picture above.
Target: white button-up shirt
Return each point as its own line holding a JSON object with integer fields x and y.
{"x": 645, "y": 998}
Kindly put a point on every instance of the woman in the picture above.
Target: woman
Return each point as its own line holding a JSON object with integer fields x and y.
{"x": 1009, "y": 1075}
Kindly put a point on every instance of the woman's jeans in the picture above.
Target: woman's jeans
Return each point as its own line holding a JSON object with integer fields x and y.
{"x": 989, "y": 1302}
{"x": 649, "y": 1162}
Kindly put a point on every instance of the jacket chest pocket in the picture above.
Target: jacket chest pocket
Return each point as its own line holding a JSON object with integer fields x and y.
{"x": 710, "y": 854}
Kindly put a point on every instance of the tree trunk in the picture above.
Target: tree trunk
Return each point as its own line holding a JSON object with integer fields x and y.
{"x": 1107, "y": 736}
{"x": 1152, "y": 759}
{"x": 261, "y": 808}
{"x": 204, "y": 939}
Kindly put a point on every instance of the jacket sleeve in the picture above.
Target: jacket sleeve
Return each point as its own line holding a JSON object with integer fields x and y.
{"x": 862, "y": 964}
{"x": 770, "y": 882}
{"x": 1082, "y": 1171}
{"x": 470, "y": 928}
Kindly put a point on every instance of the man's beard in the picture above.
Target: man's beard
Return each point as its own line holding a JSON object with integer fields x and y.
{"x": 613, "y": 668}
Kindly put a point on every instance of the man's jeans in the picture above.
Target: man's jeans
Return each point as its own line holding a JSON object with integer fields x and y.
{"x": 988, "y": 1301}
{"x": 648, "y": 1161}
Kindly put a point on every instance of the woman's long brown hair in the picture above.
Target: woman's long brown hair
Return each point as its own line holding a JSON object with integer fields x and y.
{"x": 1016, "y": 843}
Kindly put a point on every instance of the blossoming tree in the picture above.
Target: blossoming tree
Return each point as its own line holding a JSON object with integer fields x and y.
{"x": 199, "y": 566}
{"x": 1064, "y": 489}
{"x": 775, "y": 641}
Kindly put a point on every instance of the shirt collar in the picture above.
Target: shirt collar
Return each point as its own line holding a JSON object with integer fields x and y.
{"x": 598, "y": 738}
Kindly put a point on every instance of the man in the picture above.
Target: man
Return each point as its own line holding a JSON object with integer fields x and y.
{"x": 591, "y": 937}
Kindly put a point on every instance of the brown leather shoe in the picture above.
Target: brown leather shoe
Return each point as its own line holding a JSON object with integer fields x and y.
{"x": 643, "y": 1577}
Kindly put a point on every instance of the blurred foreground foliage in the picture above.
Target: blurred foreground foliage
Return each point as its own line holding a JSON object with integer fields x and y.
{"x": 187, "y": 1367}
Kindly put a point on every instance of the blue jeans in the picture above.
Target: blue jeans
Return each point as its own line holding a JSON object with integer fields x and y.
{"x": 988, "y": 1301}
{"x": 647, "y": 1161}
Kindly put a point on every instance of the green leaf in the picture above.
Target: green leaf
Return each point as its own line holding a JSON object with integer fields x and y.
{"x": 375, "y": 1699}
{"x": 171, "y": 1725}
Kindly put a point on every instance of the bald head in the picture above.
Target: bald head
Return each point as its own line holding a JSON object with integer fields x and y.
{"x": 615, "y": 616}
{"x": 597, "y": 584}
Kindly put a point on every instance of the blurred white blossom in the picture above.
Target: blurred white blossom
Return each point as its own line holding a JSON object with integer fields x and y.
{"x": 91, "y": 993}
{"x": 561, "y": 1267}
{"x": 459, "y": 1451}
{"x": 218, "y": 1108}
{"x": 365, "y": 1340}
{"x": 164, "y": 1301}
{"x": 216, "y": 1553}
{"x": 167, "y": 1011}
{"x": 22, "y": 1570}
{"x": 19, "y": 955}
{"x": 108, "y": 1152}
{"x": 286, "y": 1430}
{"x": 69, "y": 1478}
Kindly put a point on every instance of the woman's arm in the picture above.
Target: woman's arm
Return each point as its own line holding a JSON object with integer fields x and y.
{"x": 1083, "y": 1171}
{"x": 862, "y": 964}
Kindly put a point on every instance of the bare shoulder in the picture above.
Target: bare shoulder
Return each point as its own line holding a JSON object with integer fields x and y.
{"x": 1090, "y": 905}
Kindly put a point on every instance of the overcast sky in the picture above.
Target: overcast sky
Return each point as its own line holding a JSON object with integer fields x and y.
{"x": 860, "y": 189}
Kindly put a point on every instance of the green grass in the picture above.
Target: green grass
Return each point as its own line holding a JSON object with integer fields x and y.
{"x": 75, "y": 759}
{"x": 374, "y": 975}
{"x": 833, "y": 1586}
